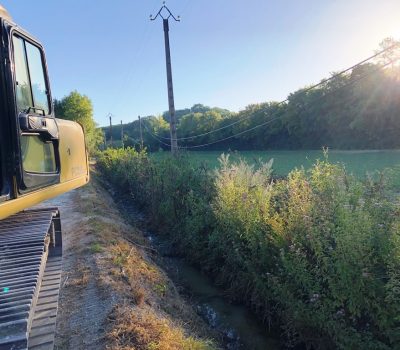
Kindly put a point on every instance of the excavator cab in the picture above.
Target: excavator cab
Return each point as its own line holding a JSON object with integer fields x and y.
{"x": 40, "y": 157}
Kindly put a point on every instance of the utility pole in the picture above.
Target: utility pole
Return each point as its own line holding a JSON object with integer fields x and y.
{"x": 111, "y": 138}
{"x": 141, "y": 134}
{"x": 122, "y": 135}
{"x": 165, "y": 14}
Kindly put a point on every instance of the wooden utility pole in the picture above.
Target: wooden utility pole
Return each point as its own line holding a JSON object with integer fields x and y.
{"x": 122, "y": 135}
{"x": 141, "y": 134}
{"x": 111, "y": 138}
{"x": 165, "y": 14}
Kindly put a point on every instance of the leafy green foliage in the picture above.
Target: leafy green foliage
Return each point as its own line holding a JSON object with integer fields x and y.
{"x": 319, "y": 250}
{"x": 79, "y": 108}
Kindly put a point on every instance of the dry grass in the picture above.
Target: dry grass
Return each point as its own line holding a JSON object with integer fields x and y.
{"x": 154, "y": 316}
{"x": 80, "y": 278}
{"x": 146, "y": 325}
{"x": 143, "y": 329}
{"x": 133, "y": 262}
{"x": 141, "y": 275}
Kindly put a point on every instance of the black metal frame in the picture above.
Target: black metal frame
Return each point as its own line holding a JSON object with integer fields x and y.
{"x": 7, "y": 146}
{"x": 160, "y": 14}
{"x": 15, "y": 180}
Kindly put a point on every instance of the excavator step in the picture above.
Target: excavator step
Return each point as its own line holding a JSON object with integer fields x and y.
{"x": 30, "y": 274}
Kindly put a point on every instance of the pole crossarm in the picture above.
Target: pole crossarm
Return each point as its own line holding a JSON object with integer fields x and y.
{"x": 165, "y": 13}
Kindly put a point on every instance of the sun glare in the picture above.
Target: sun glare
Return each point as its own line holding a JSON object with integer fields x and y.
{"x": 396, "y": 33}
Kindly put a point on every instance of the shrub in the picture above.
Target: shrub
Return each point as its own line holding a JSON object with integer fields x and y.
{"x": 319, "y": 250}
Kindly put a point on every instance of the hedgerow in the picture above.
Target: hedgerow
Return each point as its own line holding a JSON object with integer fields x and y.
{"x": 317, "y": 252}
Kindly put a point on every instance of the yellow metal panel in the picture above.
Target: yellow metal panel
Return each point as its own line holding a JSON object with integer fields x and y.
{"x": 73, "y": 156}
{"x": 74, "y": 170}
{"x": 16, "y": 205}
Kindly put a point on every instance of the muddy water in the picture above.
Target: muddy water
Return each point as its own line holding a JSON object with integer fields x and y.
{"x": 238, "y": 326}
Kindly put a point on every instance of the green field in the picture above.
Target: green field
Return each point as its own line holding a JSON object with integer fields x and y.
{"x": 356, "y": 162}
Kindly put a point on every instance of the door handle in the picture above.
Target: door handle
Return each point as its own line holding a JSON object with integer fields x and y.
{"x": 38, "y": 124}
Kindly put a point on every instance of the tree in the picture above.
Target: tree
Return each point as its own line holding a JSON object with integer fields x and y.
{"x": 393, "y": 53}
{"x": 78, "y": 107}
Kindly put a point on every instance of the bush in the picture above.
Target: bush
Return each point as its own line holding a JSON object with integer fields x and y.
{"x": 319, "y": 250}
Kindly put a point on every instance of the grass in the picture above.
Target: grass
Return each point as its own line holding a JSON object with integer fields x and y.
{"x": 356, "y": 162}
{"x": 96, "y": 248}
{"x": 144, "y": 329}
{"x": 81, "y": 279}
{"x": 151, "y": 315}
{"x": 138, "y": 325}
{"x": 314, "y": 252}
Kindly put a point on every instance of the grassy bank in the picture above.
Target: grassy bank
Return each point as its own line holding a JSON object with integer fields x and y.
{"x": 317, "y": 252}
{"x": 148, "y": 312}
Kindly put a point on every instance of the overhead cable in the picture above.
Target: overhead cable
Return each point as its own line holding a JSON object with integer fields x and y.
{"x": 305, "y": 91}
{"x": 278, "y": 117}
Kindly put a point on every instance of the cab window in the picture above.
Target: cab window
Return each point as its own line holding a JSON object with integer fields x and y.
{"x": 37, "y": 153}
{"x": 38, "y": 82}
{"x": 31, "y": 89}
{"x": 23, "y": 87}
{"x": 37, "y": 156}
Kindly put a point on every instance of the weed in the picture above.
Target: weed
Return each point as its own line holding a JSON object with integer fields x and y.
{"x": 143, "y": 329}
{"x": 96, "y": 248}
{"x": 161, "y": 288}
{"x": 80, "y": 278}
{"x": 317, "y": 250}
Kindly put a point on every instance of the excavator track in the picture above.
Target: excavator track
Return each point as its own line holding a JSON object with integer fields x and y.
{"x": 30, "y": 274}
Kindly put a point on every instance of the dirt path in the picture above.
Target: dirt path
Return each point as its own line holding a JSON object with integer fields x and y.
{"x": 84, "y": 304}
{"x": 113, "y": 295}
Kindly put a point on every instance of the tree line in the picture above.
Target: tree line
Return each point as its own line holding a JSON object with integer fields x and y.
{"x": 356, "y": 110}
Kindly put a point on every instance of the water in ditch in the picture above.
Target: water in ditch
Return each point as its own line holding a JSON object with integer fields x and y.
{"x": 239, "y": 328}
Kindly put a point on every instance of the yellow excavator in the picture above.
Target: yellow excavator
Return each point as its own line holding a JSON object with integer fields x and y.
{"x": 40, "y": 157}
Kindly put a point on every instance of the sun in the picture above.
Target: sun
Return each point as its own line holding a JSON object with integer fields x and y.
{"x": 396, "y": 33}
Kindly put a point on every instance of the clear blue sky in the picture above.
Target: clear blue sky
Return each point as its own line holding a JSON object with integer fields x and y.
{"x": 224, "y": 53}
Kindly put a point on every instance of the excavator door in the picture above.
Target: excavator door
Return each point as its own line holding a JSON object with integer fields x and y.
{"x": 38, "y": 134}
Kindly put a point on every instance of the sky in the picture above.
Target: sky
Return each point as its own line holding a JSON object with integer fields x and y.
{"x": 226, "y": 54}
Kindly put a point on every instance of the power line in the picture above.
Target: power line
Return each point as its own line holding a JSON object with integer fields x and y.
{"x": 184, "y": 7}
{"x": 154, "y": 136}
{"x": 280, "y": 116}
{"x": 305, "y": 91}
